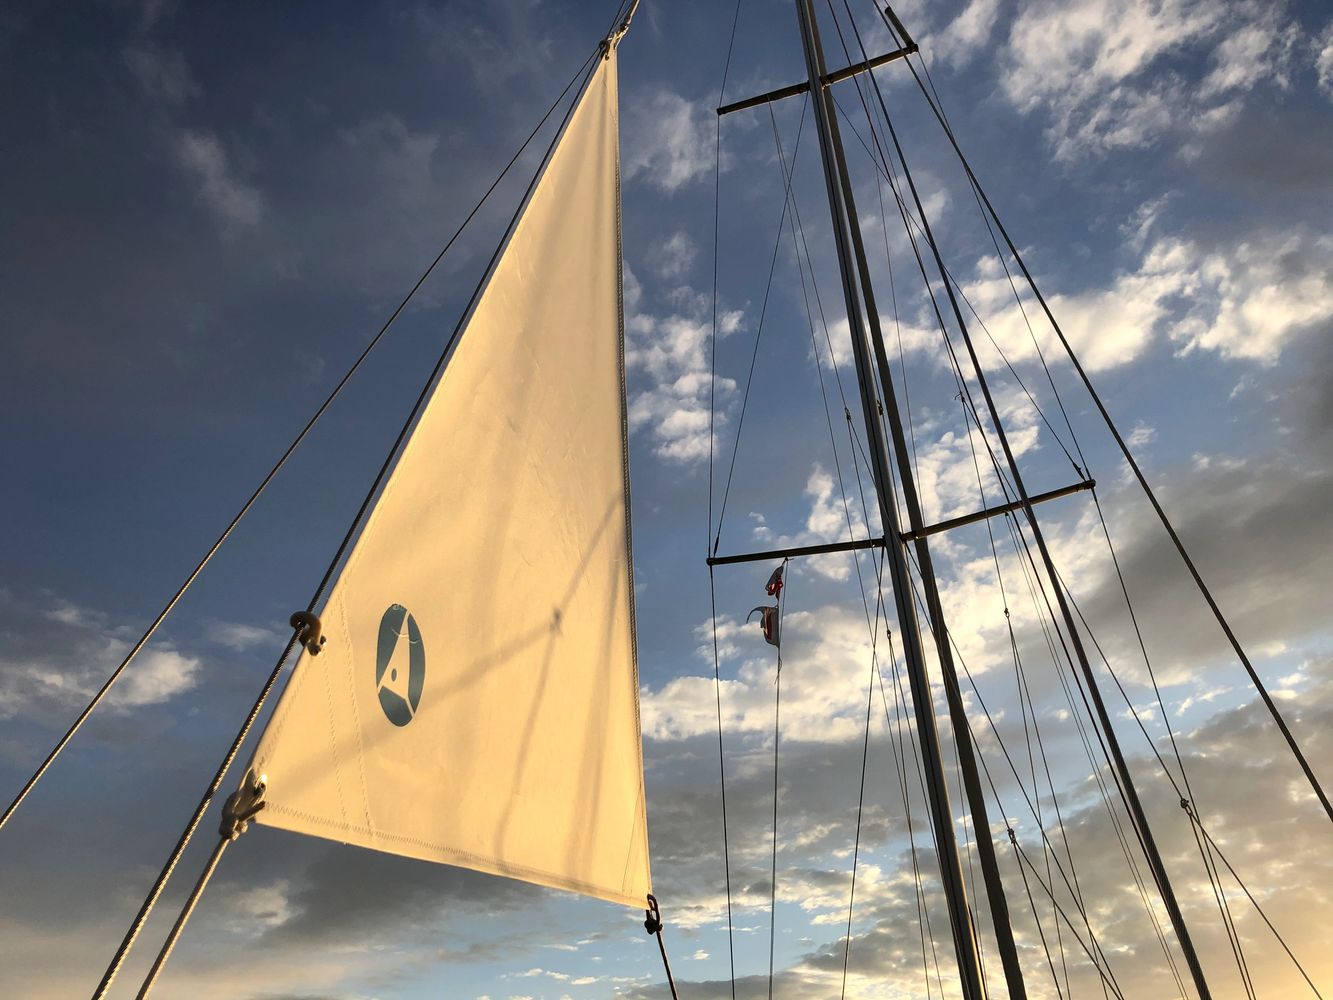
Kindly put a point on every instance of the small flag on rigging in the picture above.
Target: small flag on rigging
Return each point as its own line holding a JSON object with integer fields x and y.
{"x": 774, "y": 586}
{"x": 768, "y": 622}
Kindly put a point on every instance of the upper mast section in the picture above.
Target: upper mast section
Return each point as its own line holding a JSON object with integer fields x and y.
{"x": 613, "y": 39}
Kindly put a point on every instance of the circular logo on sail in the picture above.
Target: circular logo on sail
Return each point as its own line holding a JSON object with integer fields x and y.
{"x": 400, "y": 665}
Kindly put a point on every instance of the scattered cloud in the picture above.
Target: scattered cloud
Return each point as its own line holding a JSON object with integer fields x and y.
{"x": 235, "y": 205}
{"x": 668, "y": 141}
{"x": 671, "y": 258}
{"x": 1141, "y": 435}
{"x": 1247, "y": 301}
{"x": 1324, "y": 61}
{"x": 483, "y": 38}
{"x": 240, "y": 637}
{"x": 162, "y": 74}
{"x": 1106, "y": 73}
{"x": 49, "y": 670}
{"x": 825, "y": 653}
{"x": 1258, "y": 296}
{"x": 964, "y": 36}
{"x": 671, "y": 350}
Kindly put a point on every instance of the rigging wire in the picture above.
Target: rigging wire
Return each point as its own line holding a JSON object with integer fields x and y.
{"x": 1013, "y": 767}
{"x": 856, "y": 843}
{"x": 1128, "y": 787}
{"x": 899, "y": 748}
{"x": 281, "y": 462}
{"x": 911, "y": 221}
{"x": 1228, "y": 921}
{"x": 920, "y": 264}
{"x": 154, "y": 893}
{"x": 1186, "y": 804}
{"x": 1151, "y": 496}
{"x": 777, "y": 729}
{"x": 900, "y": 712}
{"x": 759, "y": 332}
{"x": 1024, "y": 705}
{"x": 708, "y": 537}
{"x": 804, "y": 261}
{"x": 1094, "y": 766}
{"x": 795, "y": 227}
{"x": 1219, "y": 894}
{"x": 1041, "y": 355}
{"x": 722, "y": 774}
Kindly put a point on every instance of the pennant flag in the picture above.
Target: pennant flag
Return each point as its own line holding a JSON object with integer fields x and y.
{"x": 768, "y": 622}
{"x": 774, "y": 586}
{"x": 476, "y": 702}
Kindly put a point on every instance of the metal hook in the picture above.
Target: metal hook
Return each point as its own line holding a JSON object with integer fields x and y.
{"x": 652, "y": 916}
{"x": 309, "y": 631}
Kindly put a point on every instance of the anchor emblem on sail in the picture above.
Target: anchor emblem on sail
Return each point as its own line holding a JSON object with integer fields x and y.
{"x": 400, "y": 665}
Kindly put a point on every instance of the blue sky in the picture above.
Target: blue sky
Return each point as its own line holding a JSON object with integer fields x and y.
{"x": 208, "y": 211}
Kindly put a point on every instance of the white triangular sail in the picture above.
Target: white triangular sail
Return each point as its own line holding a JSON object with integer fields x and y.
{"x": 476, "y": 702}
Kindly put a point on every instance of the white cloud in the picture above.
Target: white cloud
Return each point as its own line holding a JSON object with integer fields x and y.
{"x": 825, "y": 651}
{"x": 1258, "y": 296}
{"x": 59, "y": 684}
{"x": 240, "y": 637}
{"x": 234, "y": 204}
{"x": 672, "y": 350}
{"x": 826, "y": 522}
{"x": 1253, "y": 52}
{"x": 1324, "y": 61}
{"x": 671, "y": 258}
{"x": 1101, "y": 68}
{"x": 58, "y": 654}
{"x": 1142, "y": 434}
{"x": 964, "y": 36}
{"x": 669, "y": 141}
{"x": 261, "y": 907}
{"x": 1244, "y": 302}
{"x": 154, "y": 677}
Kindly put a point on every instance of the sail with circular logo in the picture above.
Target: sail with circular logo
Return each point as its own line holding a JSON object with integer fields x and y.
{"x": 476, "y": 701}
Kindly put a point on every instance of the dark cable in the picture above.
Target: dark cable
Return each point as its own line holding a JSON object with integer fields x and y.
{"x": 296, "y": 442}
{"x": 708, "y": 538}
{"x": 167, "y": 869}
{"x": 1138, "y": 472}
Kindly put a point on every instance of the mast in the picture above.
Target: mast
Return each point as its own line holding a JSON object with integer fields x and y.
{"x": 851, "y": 255}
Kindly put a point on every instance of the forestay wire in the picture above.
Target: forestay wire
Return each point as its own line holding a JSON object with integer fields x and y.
{"x": 277, "y": 466}
{"x": 708, "y": 537}
{"x": 580, "y": 77}
{"x": 1206, "y": 849}
{"x": 1114, "y": 430}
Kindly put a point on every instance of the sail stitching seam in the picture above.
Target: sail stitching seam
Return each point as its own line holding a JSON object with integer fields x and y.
{"x": 356, "y": 712}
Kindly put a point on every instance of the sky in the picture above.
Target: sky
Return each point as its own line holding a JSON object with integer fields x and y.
{"x": 208, "y": 211}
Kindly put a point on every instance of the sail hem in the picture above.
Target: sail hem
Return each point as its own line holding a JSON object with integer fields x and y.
{"x": 429, "y": 851}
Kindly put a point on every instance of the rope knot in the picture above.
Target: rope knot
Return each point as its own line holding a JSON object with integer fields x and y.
{"x": 1012, "y": 838}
